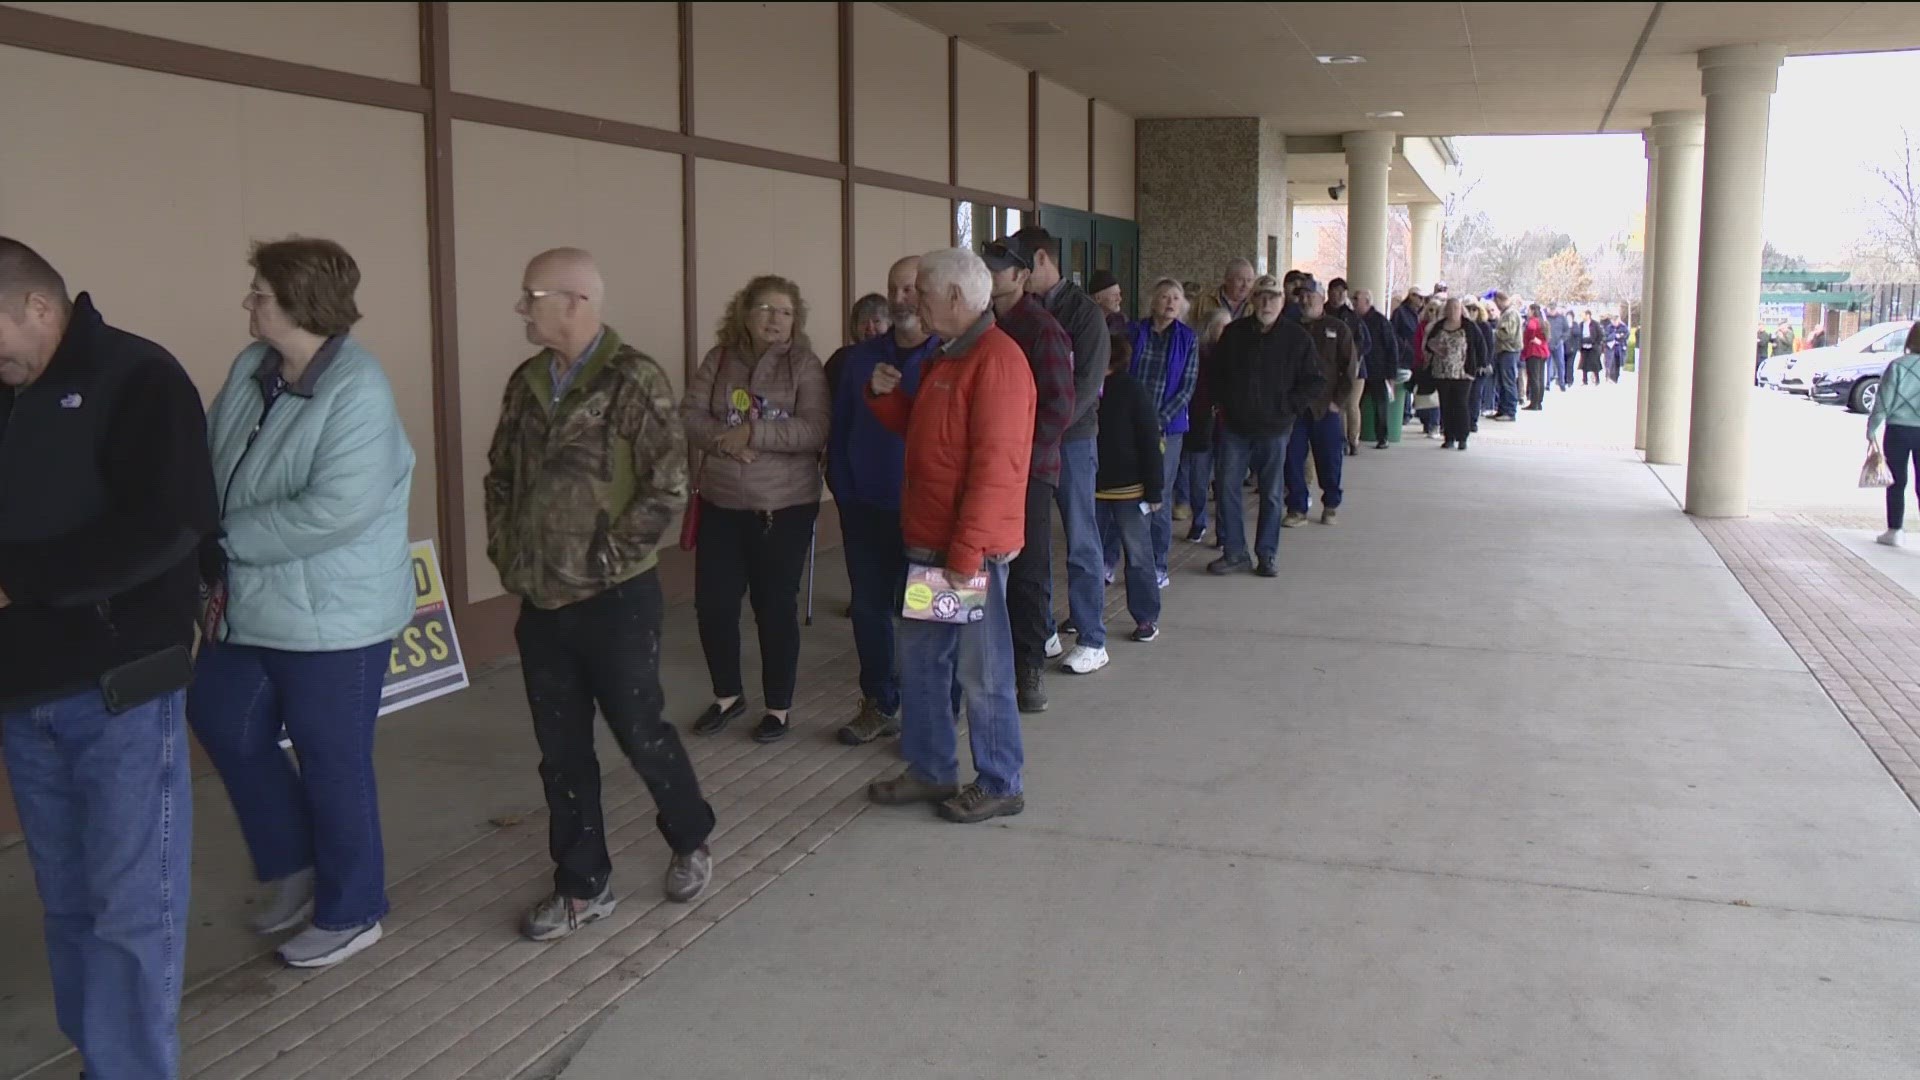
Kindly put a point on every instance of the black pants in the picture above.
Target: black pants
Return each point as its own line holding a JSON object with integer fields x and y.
{"x": 1902, "y": 448}
{"x": 604, "y": 651}
{"x": 1030, "y": 579}
{"x": 1456, "y": 409}
{"x": 1375, "y": 402}
{"x": 1536, "y": 381}
{"x": 760, "y": 555}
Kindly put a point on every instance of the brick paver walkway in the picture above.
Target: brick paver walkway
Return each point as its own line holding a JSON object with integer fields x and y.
{"x": 454, "y": 991}
{"x": 1856, "y": 629}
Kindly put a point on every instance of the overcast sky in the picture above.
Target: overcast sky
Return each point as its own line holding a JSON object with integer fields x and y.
{"x": 1833, "y": 116}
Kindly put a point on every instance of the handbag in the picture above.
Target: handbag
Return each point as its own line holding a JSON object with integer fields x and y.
{"x": 1426, "y": 399}
{"x": 1873, "y": 472}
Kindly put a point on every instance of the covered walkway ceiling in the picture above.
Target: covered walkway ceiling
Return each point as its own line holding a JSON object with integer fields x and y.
{"x": 1452, "y": 68}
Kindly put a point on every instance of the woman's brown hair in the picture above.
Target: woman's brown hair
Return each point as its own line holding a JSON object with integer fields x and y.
{"x": 313, "y": 281}
{"x": 733, "y": 333}
{"x": 1913, "y": 340}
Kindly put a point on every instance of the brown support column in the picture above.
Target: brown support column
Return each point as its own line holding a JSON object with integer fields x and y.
{"x": 1033, "y": 142}
{"x": 953, "y": 133}
{"x": 847, "y": 293}
{"x": 689, "y": 248}
{"x": 1090, "y": 156}
{"x": 449, "y": 478}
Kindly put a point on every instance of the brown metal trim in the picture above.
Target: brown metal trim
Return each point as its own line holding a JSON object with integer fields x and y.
{"x": 512, "y": 114}
{"x": 918, "y": 186}
{"x": 1090, "y": 208}
{"x": 689, "y": 243}
{"x": 953, "y": 110}
{"x": 847, "y": 293}
{"x": 108, "y": 45}
{"x": 1033, "y": 138}
{"x": 449, "y": 460}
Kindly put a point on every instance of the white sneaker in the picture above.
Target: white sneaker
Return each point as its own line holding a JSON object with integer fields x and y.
{"x": 1164, "y": 581}
{"x": 1084, "y": 661}
{"x": 1054, "y": 648}
{"x": 1891, "y": 538}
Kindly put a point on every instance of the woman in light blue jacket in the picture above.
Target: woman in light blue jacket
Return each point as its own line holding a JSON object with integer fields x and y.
{"x": 314, "y": 469}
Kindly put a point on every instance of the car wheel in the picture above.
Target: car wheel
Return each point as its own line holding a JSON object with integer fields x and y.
{"x": 1865, "y": 393}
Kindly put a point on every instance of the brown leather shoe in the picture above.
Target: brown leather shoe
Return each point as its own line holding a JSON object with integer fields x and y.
{"x": 907, "y": 788}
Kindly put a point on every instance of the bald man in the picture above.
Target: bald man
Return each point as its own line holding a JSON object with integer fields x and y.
{"x": 866, "y": 464}
{"x": 587, "y": 472}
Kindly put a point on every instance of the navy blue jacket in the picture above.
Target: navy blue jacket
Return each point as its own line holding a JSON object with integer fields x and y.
{"x": 1381, "y": 356}
{"x": 866, "y": 463}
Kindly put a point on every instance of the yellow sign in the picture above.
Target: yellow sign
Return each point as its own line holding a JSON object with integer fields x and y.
{"x": 425, "y": 662}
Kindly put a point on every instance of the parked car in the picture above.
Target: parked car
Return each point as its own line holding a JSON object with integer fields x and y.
{"x": 1882, "y": 340}
{"x": 1855, "y": 385}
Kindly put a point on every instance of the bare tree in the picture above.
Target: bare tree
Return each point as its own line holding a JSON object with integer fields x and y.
{"x": 1895, "y": 234}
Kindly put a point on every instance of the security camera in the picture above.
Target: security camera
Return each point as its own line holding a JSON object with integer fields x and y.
{"x": 1337, "y": 190}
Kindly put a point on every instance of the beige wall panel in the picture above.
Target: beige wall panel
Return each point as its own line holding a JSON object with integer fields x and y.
{"x": 516, "y": 194}
{"x": 768, "y": 75}
{"x": 753, "y": 221}
{"x": 1063, "y": 146}
{"x": 899, "y": 94}
{"x": 619, "y": 61}
{"x": 993, "y": 123}
{"x": 163, "y": 247}
{"x": 382, "y": 40}
{"x": 1112, "y": 161}
{"x": 889, "y": 224}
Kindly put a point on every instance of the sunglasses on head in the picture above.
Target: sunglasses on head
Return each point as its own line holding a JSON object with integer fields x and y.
{"x": 998, "y": 250}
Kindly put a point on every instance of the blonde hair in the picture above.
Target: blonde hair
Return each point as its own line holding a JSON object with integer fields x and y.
{"x": 1218, "y": 318}
{"x": 733, "y": 333}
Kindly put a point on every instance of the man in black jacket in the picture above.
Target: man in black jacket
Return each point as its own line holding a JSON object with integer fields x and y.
{"x": 1262, "y": 373}
{"x": 106, "y": 495}
{"x": 1381, "y": 364}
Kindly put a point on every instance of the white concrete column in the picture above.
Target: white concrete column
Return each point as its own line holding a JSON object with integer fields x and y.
{"x": 1425, "y": 242}
{"x": 1642, "y": 363}
{"x": 1369, "y": 157}
{"x": 1739, "y": 81}
{"x": 1677, "y": 138}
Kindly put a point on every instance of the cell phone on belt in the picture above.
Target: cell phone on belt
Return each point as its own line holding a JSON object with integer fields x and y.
{"x": 133, "y": 684}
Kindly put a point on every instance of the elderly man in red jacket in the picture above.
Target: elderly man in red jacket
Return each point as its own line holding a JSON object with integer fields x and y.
{"x": 969, "y": 435}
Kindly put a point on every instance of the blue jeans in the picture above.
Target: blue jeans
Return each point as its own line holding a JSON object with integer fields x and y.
{"x": 1195, "y": 477}
{"x": 1506, "y": 368}
{"x": 107, "y": 809}
{"x": 1567, "y": 359}
{"x": 1123, "y": 518}
{"x": 1086, "y": 586}
{"x": 1162, "y": 524}
{"x": 325, "y": 816}
{"x": 1325, "y": 437}
{"x": 979, "y": 656}
{"x": 1237, "y": 454}
{"x": 877, "y": 572}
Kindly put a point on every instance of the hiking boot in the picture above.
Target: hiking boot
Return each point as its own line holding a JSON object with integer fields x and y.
{"x": 1054, "y": 648}
{"x": 289, "y": 904}
{"x": 1228, "y": 564}
{"x": 906, "y": 789}
{"x": 688, "y": 875}
{"x": 716, "y": 719}
{"x": 1266, "y": 568}
{"x": 1084, "y": 660}
{"x": 771, "y": 728}
{"x": 1182, "y": 512}
{"x": 557, "y": 916}
{"x": 1033, "y": 695}
{"x": 1329, "y": 516}
{"x": 975, "y": 805}
{"x": 870, "y": 723}
{"x": 1145, "y": 632}
{"x": 1293, "y": 520}
{"x": 317, "y": 948}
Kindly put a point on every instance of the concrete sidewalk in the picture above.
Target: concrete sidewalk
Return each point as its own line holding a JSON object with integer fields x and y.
{"x": 1506, "y": 776}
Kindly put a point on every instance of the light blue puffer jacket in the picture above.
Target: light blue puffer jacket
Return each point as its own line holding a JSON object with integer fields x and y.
{"x": 315, "y": 511}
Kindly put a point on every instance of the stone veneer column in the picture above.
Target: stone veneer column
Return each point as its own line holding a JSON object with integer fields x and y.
{"x": 1207, "y": 193}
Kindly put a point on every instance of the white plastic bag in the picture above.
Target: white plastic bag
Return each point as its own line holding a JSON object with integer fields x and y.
{"x": 1873, "y": 473}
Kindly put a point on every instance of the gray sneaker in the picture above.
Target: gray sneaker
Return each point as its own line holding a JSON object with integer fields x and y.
{"x": 289, "y": 903}
{"x": 557, "y": 916}
{"x": 317, "y": 948}
{"x": 688, "y": 875}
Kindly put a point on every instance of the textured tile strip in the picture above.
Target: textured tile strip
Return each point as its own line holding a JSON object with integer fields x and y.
{"x": 1854, "y": 628}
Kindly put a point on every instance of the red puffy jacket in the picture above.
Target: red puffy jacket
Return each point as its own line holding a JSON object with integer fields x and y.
{"x": 969, "y": 434}
{"x": 1536, "y": 341}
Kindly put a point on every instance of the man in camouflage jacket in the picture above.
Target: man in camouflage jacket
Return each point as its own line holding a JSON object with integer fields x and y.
{"x": 586, "y": 474}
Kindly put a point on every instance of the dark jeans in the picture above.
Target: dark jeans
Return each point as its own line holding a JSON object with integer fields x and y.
{"x": 1325, "y": 437}
{"x": 1030, "y": 580}
{"x": 325, "y": 815}
{"x": 1615, "y": 360}
{"x": 604, "y": 650}
{"x": 1377, "y": 403}
{"x": 1456, "y": 409}
{"x": 1903, "y": 447}
{"x": 1536, "y": 380}
{"x": 877, "y": 572}
{"x": 762, "y": 555}
{"x": 1480, "y": 397}
{"x": 1122, "y": 517}
{"x": 1564, "y": 365}
{"x": 1506, "y": 371}
{"x": 1195, "y": 477}
{"x": 1263, "y": 454}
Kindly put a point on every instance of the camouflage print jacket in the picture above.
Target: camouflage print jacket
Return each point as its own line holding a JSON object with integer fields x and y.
{"x": 580, "y": 492}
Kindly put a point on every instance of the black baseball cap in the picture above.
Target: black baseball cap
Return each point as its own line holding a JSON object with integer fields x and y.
{"x": 1032, "y": 239}
{"x": 1001, "y": 254}
{"x": 1102, "y": 280}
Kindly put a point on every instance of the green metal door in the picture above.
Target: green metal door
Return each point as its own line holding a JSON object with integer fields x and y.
{"x": 1090, "y": 242}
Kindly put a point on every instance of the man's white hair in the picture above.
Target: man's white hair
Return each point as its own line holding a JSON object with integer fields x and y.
{"x": 958, "y": 266}
{"x": 1237, "y": 262}
{"x": 1358, "y": 293}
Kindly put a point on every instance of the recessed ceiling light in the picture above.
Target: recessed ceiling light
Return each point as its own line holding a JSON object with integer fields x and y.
{"x": 1386, "y": 114}
{"x": 1341, "y": 58}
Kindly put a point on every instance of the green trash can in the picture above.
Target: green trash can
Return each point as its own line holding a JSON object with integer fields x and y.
{"x": 1395, "y": 413}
